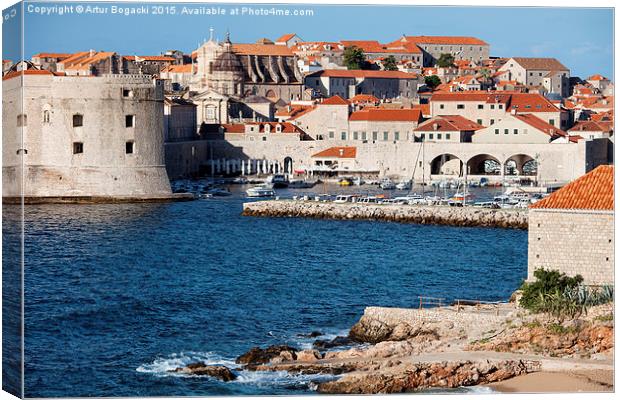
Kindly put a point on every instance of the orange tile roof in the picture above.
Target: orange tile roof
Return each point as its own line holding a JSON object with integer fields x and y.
{"x": 449, "y": 123}
{"x": 539, "y": 124}
{"x": 84, "y": 63}
{"x": 338, "y": 152}
{"x": 287, "y": 127}
{"x": 596, "y": 77}
{"x": 363, "y": 98}
{"x": 358, "y": 73}
{"x": 592, "y": 191}
{"x": 454, "y": 40}
{"x": 296, "y": 111}
{"x": 14, "y": 74}
{"x": 382, "y": 114}
{"x": 334, "y": 100}
{"x": 522, "y": 102}
{"x": 540, "y": 63}
{"x": 53, "y": 55}
{"x": 150, "y": 58}
{"x": 286, "y": 38}
{"x": 178, "y": 68}
{"x": 593, "y": 126}
{"x": 261, "y": 50}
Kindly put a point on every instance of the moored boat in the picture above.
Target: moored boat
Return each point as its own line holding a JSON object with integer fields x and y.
{"x": 260, "y": 191}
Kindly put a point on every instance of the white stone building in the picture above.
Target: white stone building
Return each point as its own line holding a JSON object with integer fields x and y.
{"x": 572, "y": 230}
{"x": 539, "y": 72}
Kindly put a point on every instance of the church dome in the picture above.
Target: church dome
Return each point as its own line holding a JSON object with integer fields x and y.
{"x": 227, "y": 62}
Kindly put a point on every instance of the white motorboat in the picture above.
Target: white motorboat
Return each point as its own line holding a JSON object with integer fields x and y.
{"x": 387, "y": 184}
{"x": 278, "y": 181}
{"x": 260, "y": 191}
{"x": 403, "y": 185}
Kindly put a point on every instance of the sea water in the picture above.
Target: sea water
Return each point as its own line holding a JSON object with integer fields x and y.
{"x": 116, "y": 296}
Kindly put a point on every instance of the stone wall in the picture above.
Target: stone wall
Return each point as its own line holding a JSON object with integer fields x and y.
{"x": 573, "y": 242}
{"x": 104, "y": 167}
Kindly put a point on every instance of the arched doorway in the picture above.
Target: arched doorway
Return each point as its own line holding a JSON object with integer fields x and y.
{"x": 484, "y": 164}
{"x": 288, "y": 165}
{"x": 446, "y": 164}
{"x": 521, "y": 164}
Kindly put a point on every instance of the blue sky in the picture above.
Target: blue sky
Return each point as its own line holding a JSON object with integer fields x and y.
{"x": 581, "y": 38}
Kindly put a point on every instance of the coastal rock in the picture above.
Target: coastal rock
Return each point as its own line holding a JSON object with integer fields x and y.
{"x": 256, "y": 355}
{"x": 308, "y": 356}
{"x": 200, "y": 369}
{"x": 336, "y": 342}
{"x": 311, "y": 335}
{"x": 370, "y": 330}
{"x": 428, "y": 375}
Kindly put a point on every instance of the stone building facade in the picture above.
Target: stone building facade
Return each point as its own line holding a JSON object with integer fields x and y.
{"x": 548, "y": 73}
{"x": 573, "y": 229}
{"x": 461, "y": 47}
{"x": 349, "y": 83}
{"x": 83, "y": 136}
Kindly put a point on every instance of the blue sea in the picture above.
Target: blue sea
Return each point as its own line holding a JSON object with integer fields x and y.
{"x": 117, "y": 295}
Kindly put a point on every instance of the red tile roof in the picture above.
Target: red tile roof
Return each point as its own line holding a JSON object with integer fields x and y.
{"x": 53, "y": 55}
{"x": 363, "y": 98}
{"x": 296, "y": 111}
{"x": 545, "y": 64}
{"x": 337, "y": 152}
{"x": 592, "y": 126}
{"x": 14, "y": 74}
{"x": 596, "y": 77}
{"x": 150, "y": 58}
{"x": 454, "y": 40}
{"x": 449, "y": 123}
{"x": 286, "y": 38}
{"x": 261, "y": 50}
{"x": 335, "y": 101}
{"x": 522, "y": 102}
{"x": 592, "y": 191}
{"x": 382, "y": 114}
{"x": 178, "y": 68}
{"x": 287, "y": 127}
{"x": 539, "y": 124}
{"x": 358, "y": 73}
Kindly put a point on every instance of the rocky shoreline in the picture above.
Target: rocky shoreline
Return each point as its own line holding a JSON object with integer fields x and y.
{"x": 392, "y": 350}
{"x": 432, "y": 215}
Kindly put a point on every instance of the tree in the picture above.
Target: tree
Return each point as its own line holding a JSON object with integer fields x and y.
{"x": 445, "y": 60}
{"x": 354, "y": 58}
{"x": 432, "y": 81}
{"x": 389, "y": 64}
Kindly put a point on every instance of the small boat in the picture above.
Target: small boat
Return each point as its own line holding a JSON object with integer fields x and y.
{"x": 220, "y": 192}
{"x": 278, "y": 181}
{"x": 387, "y": 184}
{"x": 403, "y": 185}
{"x": 260, "y": 191}
{"x": 358, "y": 181}
{"x": 241, "y": 180}
{"x": 344, "y": 199}
{"x": 345, "y": 182}
{"x": 300, "y": 184}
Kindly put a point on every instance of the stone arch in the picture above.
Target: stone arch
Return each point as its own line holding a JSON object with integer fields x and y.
{"x": 521, "y": 164}
{"x": 446, "y": 164}
{"x": 288, "y": 165}
{"x": 484, "y": 164}
{"x": 270, "y": 94}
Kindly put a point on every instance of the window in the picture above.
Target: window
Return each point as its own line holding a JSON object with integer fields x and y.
{"x": 422, "y": 136}
{"x": 210, "y": 112}
{"x": 552, "y": 122}
{"x": 479, "y": 121}
{"x": 354, "y": 135}
{"x": 331, "y": 134}
{"x": 480, "y": 106}
{"x": 127, "y": 93}
{"x": 447, "y": 136}
{"x": 375, "y": 135}
{"x": 460, "y": 106}
{"x": 396, "y": 135}
{"x": 343, "y": 136}
{"x": 505, "y": 131}
{"x": 264, "y": 138}
{"x": 129, "y": 121}
{"x": 531, "y": 73}
{"x": 492, "y": 106}
{"x": 430, "y": 136}
{"x": 78, "y": 120}
{"x": 46, "y": 116}
{"x": 540, "y": 74}
{"x": 78, "y": 147}
{"x": 128, "y": 147}
{"x": 491, "y": 121}
{"x": 441, "y": 106}
{"x": 363, "y": 135}
{"x": 385, "y": 136}
{"x": 500, "y": 106}
{"x": 22, "y": 120}
{"x": 497, "y": 131}
{"x": 516, "y": 131}
{"x": 439, "y": 136}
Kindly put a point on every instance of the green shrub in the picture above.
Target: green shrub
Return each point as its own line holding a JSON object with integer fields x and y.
{"x": 549, "y": 285}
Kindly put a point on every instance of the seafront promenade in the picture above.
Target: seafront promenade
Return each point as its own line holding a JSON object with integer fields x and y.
{"x": 431, "y": 215}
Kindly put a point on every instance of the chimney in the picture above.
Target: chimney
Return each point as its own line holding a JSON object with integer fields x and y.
{"x": 91, "y": 52}
{"x": 341, "y": 151}
{"x": 435, "y": 126}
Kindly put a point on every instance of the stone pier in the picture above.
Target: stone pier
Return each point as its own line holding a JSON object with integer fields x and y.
{"x": 432, "y": 215}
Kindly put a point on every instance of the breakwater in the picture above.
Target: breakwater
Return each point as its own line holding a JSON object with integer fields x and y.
{"x": 434, "y": 215}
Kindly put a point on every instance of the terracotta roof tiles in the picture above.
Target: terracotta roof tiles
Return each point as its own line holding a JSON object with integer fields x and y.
{"x": 337, "y": 152}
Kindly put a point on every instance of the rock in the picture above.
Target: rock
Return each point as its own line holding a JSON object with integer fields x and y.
{"x": 200, "y": 369}
{"x": 308, "y": 356}
{"x": 312, "y": 334}
{"x": 336, "y": 342}
{"x": 256, "y": 355}
{"x": 370, "y": 330}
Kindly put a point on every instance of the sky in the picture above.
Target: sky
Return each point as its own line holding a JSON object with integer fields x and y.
{"x": 581, "y": 38}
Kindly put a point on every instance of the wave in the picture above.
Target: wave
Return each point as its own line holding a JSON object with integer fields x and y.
{"x": 163, "y": 365}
